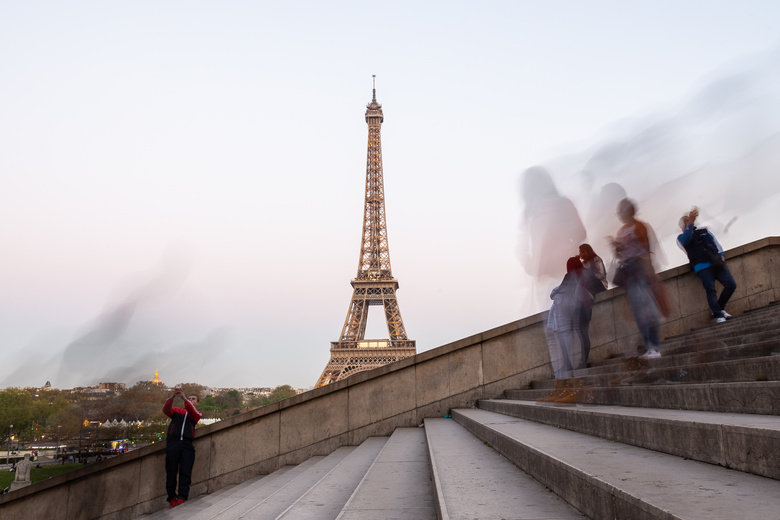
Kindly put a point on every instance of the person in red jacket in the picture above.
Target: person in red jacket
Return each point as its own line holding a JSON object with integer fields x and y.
{"x": 179, "y": 451}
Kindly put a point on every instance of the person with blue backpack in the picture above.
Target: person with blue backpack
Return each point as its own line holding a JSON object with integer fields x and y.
{"x": 708, "y": 261}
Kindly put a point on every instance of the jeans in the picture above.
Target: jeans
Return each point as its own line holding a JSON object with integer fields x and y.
{"x": 646, "y": 313}
{"x": 708, "y": 277}
{"x": 583, "y": 330}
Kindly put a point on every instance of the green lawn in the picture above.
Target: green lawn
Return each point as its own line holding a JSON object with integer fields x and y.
{"x": 38, "y": 474}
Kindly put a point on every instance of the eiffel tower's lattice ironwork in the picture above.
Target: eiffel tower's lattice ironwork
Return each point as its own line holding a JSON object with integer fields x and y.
{"x": 374, "y": 284}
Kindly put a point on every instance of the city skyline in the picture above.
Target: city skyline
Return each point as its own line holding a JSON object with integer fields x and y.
{"x": 112, "y": 387}
{"x": 177, "y": 177}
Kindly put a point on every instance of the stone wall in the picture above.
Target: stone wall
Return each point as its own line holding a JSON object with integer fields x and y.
{"x": 376, "y": 402}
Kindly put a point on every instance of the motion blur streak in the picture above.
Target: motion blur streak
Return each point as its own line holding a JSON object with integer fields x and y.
{"x": 125, "y": 342}
{"x": 720, "y": 151}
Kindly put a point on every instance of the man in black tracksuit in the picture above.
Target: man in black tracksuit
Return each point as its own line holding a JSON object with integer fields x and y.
{"x": 179, "y": 451}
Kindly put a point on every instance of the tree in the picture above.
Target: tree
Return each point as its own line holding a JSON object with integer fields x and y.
{"x": 207, "y": 404}
{"x": 192, "y": 388}
{"x": 109, "y": 434}
{"x": 281, "y": 392}
{"x": 69, "y": 420}
{"x": 16, "y": 407}
{"x": 257, "y": 401}
{"x": 229, "y": 399}
{"x": 143, "y": 402}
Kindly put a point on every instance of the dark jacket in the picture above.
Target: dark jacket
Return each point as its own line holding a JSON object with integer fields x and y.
{"x": 183, "y": 420}
{"x": 700, "y": 246}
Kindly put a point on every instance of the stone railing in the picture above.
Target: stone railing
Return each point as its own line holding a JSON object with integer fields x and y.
{"x": 378, "y": 401}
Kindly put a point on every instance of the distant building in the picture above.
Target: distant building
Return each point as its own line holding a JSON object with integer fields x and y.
{"x": 113, "y": 387}
{"x": 156, "y": 379}
{"x": 100, "y": 390}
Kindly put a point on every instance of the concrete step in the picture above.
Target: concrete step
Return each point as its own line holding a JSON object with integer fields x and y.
{"x": 717, "y": 337}
{"x": 678, "y": 359}
{"x": 274, "y": 491}
{"x": 271, "y": 506}
{"x": 754, "y": 345}
{"x": 757, "y": 397}
{"x": 739, "y": 330}
{"x": 398, "y": 483}
{"x": 743, "y": 442}
{"x": 200, "y": 503}
{"x": 763, "y": 368}
{"x": 326, "y": 498}
{"x": 741, "y": 323}
{"x": 738, "y": 324}
{"x": 607, "y": 479}
{"x": 767, "y": 312}
{"x": 203, "y": 502}
{"x": 471, "y": 480}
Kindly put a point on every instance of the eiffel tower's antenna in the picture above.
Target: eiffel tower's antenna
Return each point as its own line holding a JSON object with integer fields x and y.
{"x": 374, "y": 283}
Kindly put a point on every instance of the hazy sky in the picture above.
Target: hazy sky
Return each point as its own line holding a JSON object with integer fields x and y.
{"x": 182, "y": 182}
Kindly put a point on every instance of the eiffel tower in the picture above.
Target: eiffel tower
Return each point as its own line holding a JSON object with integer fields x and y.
{"x": 374, "y": 284}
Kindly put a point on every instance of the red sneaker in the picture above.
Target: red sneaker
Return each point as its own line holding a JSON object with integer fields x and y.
{"x": 173, "y": 503}
{"x": 179, "y": 501}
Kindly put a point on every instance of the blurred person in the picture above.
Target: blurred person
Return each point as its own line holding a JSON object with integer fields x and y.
{"x": 636, "y": 273}
{"x": 600, "y": 223}
{"x": 179, "y": 451}
{"x": 593, "y": 263}
{"x": 708, "y": 261}
{"x": 596, "y": 283}
{"x": 567, "y": 321}
{"x": 550, "y": 231}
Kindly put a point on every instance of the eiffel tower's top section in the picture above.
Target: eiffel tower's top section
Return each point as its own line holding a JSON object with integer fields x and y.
{"x": 374, "y": 110}
{"x": 374, "y": 252}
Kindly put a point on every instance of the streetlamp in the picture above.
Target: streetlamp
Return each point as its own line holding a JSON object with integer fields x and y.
{"x": 57, "y": 447}
{"x": 8, "y": 453}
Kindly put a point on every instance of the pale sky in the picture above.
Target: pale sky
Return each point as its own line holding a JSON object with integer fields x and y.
{"x": 182, "y": 182}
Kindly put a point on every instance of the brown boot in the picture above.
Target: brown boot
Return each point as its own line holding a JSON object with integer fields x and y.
{"x": 561, "y": 386}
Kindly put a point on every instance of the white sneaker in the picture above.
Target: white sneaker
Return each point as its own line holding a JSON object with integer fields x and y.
{"x": 651, "y": 354}
{"x": 725, "y": 314}
{"x": 719, "y": 319}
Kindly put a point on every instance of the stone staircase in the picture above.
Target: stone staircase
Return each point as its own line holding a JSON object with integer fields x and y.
{"x": 692, "y": 435}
